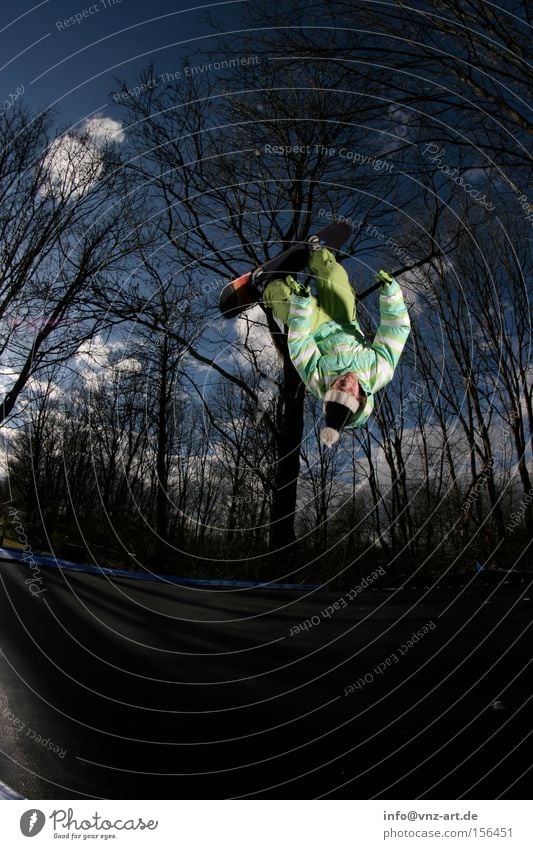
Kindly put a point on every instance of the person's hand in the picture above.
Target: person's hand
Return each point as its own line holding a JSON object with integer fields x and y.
{"x": 297, "y": 288}
{"x": 384, "y": 278}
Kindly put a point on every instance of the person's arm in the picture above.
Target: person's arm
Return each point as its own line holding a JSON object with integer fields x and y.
{"x": 303, "y": 349}
{"x": 394, "y": 325}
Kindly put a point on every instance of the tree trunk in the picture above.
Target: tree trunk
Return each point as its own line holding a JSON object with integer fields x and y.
{"x": 161, "y": 517}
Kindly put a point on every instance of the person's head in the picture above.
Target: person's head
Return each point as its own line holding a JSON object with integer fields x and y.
{"x": 344, "y": 401}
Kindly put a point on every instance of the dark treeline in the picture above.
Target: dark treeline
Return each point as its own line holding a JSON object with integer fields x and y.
{"x": 193, "y": 447}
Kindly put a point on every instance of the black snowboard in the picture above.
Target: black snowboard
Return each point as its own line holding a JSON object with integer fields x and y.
{"x": 248, "y": 289}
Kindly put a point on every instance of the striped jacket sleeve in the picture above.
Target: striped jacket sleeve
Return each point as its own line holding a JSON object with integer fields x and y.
{"x": 303, "y": 349}
{"x": 394, "y": 325}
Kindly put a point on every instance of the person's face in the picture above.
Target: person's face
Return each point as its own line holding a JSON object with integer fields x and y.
{"x": 350, "y": 384}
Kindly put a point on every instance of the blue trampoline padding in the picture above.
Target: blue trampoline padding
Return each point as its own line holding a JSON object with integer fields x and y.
{"x": 56, "y": 563}
{"x": 7, "y": 793}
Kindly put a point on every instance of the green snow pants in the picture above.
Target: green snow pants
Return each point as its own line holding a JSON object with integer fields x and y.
{"x": 335, "y": 299}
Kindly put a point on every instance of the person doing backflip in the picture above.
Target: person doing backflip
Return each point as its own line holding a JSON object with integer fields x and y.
{"x": 326, "y": 344}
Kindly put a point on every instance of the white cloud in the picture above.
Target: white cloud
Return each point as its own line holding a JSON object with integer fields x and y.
{"x": 6, "y": 433}
{"x": 97, "y": 359}
{"x": 93, "y": 354}
{"x": 72, "y": 168}
{"x": 252, "y": 330}
{"x": 74, "y": 163}
{"x": 39, "y": 387}
{"x": 402, "y": 118}
{"x": 477, "y": 174}
{"x": 127, "y": 365}
{"x": 93, "y": 360}
{"x": 421, "y": 285}
{"x": 104, "y": 130}
{"x": 8, "y": 376}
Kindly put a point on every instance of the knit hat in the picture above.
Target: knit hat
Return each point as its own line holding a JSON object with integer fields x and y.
{"x": 339, "y": 408}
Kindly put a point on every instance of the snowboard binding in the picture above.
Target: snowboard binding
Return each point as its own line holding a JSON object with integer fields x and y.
{"x": 247, "y": 290}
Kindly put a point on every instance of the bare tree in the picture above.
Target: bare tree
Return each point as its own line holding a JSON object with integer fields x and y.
{"x": 234, "y": 180}
{"x": 62, "y": 227}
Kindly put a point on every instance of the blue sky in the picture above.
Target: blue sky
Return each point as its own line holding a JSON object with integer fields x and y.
{"x": 73, "y": 64}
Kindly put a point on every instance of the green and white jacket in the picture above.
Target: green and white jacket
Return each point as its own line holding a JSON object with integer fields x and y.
{"x": 335, "y": 349}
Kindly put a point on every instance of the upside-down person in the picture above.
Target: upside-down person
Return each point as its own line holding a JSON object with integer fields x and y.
{"x": 327, "y": 346}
